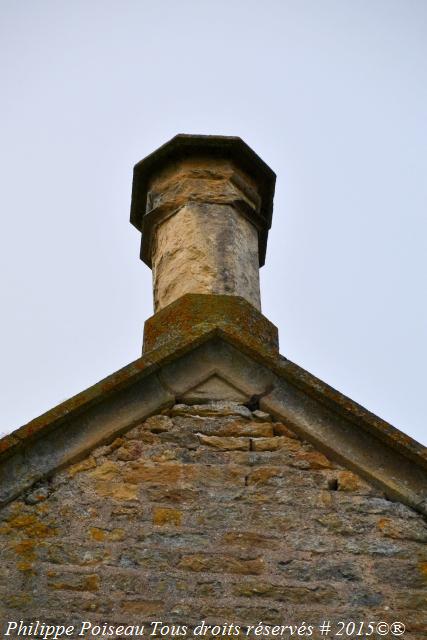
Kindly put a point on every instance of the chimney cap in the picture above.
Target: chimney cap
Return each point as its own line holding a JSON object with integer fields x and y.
{"x": 184, "y": 146}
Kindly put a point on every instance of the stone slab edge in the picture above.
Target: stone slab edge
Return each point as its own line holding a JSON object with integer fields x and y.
{"x": 354, "y": 412}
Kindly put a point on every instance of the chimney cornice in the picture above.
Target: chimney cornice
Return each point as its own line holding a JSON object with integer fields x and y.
{"x": 184, "y": 147}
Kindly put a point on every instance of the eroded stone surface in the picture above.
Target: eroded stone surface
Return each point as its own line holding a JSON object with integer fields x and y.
{"x": 206, "y": 514}
{"x": 201, "y": 232}
{"x": 205, "y": 248}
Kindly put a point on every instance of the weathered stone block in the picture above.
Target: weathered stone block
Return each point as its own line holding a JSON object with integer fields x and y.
{"x": 166, "y": 516}
{"x": 142, "y": 607}
{"x": 311, "y": 460}
{"x": 105, "y": 535}
{"x": 403, "y": 529}
{"x": 249, "y": 539}
{"x": 158, "y": 424}
{"x": 72, "y": 553}
{"x": 288, "y": 593}
{"x": 221, "y": 564}
{"x": 237, "y": 428}
{"x": 219, "y": 408}
{"x": 268, "y": 444}
{"x": 225, "y": 444}
{"x": 73, "y": 581}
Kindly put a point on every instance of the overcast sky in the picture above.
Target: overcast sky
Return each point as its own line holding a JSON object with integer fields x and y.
{"x": 332, "y": 94}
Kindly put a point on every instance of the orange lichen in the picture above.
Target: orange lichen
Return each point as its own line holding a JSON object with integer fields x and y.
{"x": 100, "y": 535}
{"x": 78, "y": 583}
{"x": 165, "y": 516}
{"x": 31, "y": 526}
{"x": 423, "y": 569}
{"x": 24, "y": 566}
{"x": 25, "y": 548}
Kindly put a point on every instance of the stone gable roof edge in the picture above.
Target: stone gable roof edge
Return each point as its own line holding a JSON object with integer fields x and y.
{"x": 281, "y": 366}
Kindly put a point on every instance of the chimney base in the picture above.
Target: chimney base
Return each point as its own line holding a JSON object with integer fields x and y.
{"x": 194, "y": 316}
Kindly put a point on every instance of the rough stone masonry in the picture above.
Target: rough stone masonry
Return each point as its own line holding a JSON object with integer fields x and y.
{"x": 211, "y": 512}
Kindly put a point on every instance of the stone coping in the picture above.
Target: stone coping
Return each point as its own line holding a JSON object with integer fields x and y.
{"x": 165, "y": 351}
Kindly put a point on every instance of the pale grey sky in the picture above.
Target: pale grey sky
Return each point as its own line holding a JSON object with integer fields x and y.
{"x": 332, "y": 94}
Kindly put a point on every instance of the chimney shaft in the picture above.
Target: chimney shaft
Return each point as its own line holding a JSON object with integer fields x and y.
{"x": 205, "y": 243}
{"x": 203, "y": 204}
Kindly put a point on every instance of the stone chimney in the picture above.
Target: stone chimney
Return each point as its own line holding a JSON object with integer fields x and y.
{"x": 204, "y": 206}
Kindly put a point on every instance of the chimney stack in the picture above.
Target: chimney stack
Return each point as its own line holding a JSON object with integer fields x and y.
{"x": 203, "y": 205}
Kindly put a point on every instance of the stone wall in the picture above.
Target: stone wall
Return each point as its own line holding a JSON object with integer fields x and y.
{"x": 211, "y": 512}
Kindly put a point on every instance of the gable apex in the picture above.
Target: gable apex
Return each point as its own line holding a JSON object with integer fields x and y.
{"x": 341, "y": 429}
